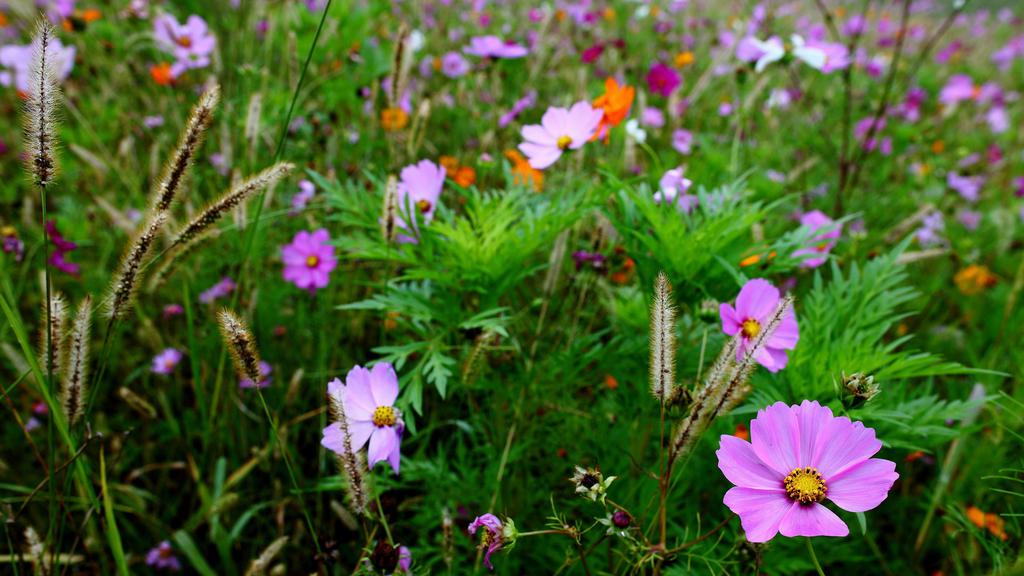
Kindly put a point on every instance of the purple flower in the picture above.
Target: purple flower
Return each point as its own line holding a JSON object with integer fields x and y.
{"x": 596, "y": 260}
{"x": 911, "y": 106}
{"x": 798, "y": 457}
{"x": 153, "y": 121}
{"x": 419, "y": 191}
{"x": 191, "y": 43}
{"x": 958, "y": 88}
{"x": 368, "y": 397}
{"x": 560, "y": 129}
{"x": 172, "y": 310}
{"x": 162, "y": 557}
{"x": 219, "y": 290}
{"x": 308, "y": 260}
{"x": 165, "y": 362}
{"x": 61, "y": 247}
{"x": 672, "y": 189}
{"x": 220, "y": 163}
{"x": 527, "y": 101}
{"x": 592, "y": 53}
{"x": 662, "y": 79}
{"x": 454, "y": 65}
{"x": 682, "y": 141}
{"x": 494, "y": 47}
{"x": 997, "y": 119}
{"x": 652, "y": 117}
{"x": 823, "y": 242}
{"x": 929, "y": 234}
{"x": 1018, "y": 183}
{"x": 493, "y": 537}
{"x": 16, "y": 63}
{"x": 306, "y": 192}
{"x": 12, "y": 244}
{"x": 969, "y": 218}
{"x": 265, "y": 379}
{"x": 754, "y": 306}
{"x": 837, "y": 56}
{"x": 967, "y": 186}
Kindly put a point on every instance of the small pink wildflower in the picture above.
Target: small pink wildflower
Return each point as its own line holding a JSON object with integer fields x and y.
{"x": 419, "y": 191}
{"x": 823, "y": 242}
{"x": 369, "y": 398}
{"x": 754, "y": 306}
{"x": 309, "y": 259}
{"x": 560, "y": 130}
{"x": 165, "y": 362}
{"x": 494, "y": 47}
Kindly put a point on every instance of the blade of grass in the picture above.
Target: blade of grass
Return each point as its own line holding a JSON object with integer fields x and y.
{"x": 113, "y": 535}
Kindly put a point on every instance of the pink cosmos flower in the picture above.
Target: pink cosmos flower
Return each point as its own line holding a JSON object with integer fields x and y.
{"x": 527, "y": 101}
{"x": 61, "y": 247}
{"x": 798, "y": 457}
{"x": 662, "y": 79}
{"x": 219, "y": 290}
{"x": 165, "y": 362}
{"x": 493, "y": 535}
{"x": 309, "y": 259}
{"x": 419, "y": 190}
{"x": 672, "y": 189}
{"x": 823, "y": 242}
{"x": 306, "y": 192}
{"x": 368, "y": 397}
{"x": 191, "y": 43}
{"x": 265, "y": 379}
{"x": 454, "y": 65}
{"x": 16, "y": 63}
{"x": 958, "y": 88}
{"x": 494, "y": 47}
{"x": 559, "y": 130}
{"x": 754, "y": 306}
{"x": 682, "y": 141}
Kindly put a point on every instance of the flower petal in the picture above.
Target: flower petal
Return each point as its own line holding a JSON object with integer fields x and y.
{"x": 360, "y": 430}
{"x": 384, "y": 384}
{"x": 844, "y": 444}
{"x": 730, "y": 324}
{"x": 812, "y": 520}
{"x": 742, "y": 467}
{"x": 775, "y": 435}
{"x": 760, "y": 511}
{"x": 757, "y": 299}
{"x": 358, "y": 394}
{"x": 812, "y": 418}
{"x": 864, "y": 486}
{"x": 382, "y": 442}
{"x": 537, "y": 134}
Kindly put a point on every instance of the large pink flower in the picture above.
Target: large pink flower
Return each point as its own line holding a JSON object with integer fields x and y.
{"x": 309, "y": 259}
{"x": 368, "y": 397}
{"x": 559, "y": 130}
{"x": 798, "y": 457}
{"x": 754, "y": 306}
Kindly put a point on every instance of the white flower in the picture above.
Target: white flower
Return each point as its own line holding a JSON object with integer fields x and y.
{"x": 771, "y": 50}
{"x": 416, "y": 41}
{"x": 635, "y": 131}
{"x": 813, "y": 57}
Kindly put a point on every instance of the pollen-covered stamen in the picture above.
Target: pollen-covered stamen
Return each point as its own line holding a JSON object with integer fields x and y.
{"x": 424, "y": 206}
{"x": 805, "y": 485}
{"x": 312, "y": 261}
{"x": 384, "y": 416}
{"x": 564, "y": 142}
{"x": 751, "y": 328}
{"x": 184, "y": 41}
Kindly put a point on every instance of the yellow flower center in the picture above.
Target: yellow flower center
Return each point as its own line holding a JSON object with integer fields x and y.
{"x": 487, "y": 538}
{"x": 423, "y": 206}
{"x": 751, "y": 328}
{"x": 805, "y": 485}
{"x": 564, "y": 142}
{"x": 184, "y": 41}
{"x": 312, "y": 261}
{"x": 384, "y": 416}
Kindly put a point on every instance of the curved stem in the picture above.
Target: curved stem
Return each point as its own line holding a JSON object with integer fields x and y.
{"x": 814, "y": 558}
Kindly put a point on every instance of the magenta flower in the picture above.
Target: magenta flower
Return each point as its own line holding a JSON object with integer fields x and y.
{"x": 265, "y": 379}
{"x": 559, "y": 130}
{"x": 494, "y": 47}
{"x": 162, "y": 557}
{"x": 754, "y": 306}
{"x": 172, "y": 310}
{"x": 493, "y": 536}
{"x": 682, "y": 141}
{"x": 219, "y": 290}
{"x": 419, "y": 191}
{"x": 309, "y": 259}
{"x": 823, "y": 242}
{"x": 165, "y": 362}
{"x": 662, "y": 79}
{"x": 61, "y": 247}
{"x": 368, "y": 397}
{"x": 672, "y": 189}
{"x": 958, "y": 88}
{"x": 967, "y": 186}
{"x": 454, "y": 65}
{"x": 527, "y": 101}
{"x": 301, "y": 198}
{"x": 798, "y": 457}
{"x": 191, "y": 43}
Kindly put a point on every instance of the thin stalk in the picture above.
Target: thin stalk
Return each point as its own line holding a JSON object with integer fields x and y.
{"x": 814, "y": 558}
{"x": 50, "y": 444}
{"x": 383, "y": 519}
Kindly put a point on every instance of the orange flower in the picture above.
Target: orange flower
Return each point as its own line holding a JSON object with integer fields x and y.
{"x": 625, "y": 273}
{"x": 938, "y": 147}
{"x": 974, "y": 280}
{"x": 393, "y": 119}
{"x": 684, "y": 59}
{"x": 465, "y": 176}
{"x": 3, "y": 20}
{"x": 449, "y": 163}
{"x": 616, "y": 102}
{"x": 742, "y": 433}
{"x": 161, "y": 73}
{"x": 987, "y": 521}
{"x": 755, "y": 258}
{"x": 610, "y": 382}
{"x": 522, "y": 172}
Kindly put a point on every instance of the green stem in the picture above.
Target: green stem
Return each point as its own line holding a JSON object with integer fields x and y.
{"x": 384, "y": 520}
{"x": 814, "y": 558}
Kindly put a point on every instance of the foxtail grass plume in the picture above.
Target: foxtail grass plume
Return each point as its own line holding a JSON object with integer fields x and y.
{"x": 41, "y": 107}
{"x": 129, "y": 271}
{"x": 241, "y": 344}
{"x": 350, "y": 463}
{"x": 663, "y": 340}
{"x": 76, "y": 372}
{"x": 726, "y": 385}
{"x": 35, "y": 552}
{"x": 191, "y": 139}
{"x": 400, "y": 64}
{"x": 389, "y": 213}
{"x": 238, "y": 194}
{"x": 260, "y": 565}
{"x": 55, "y": 319}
